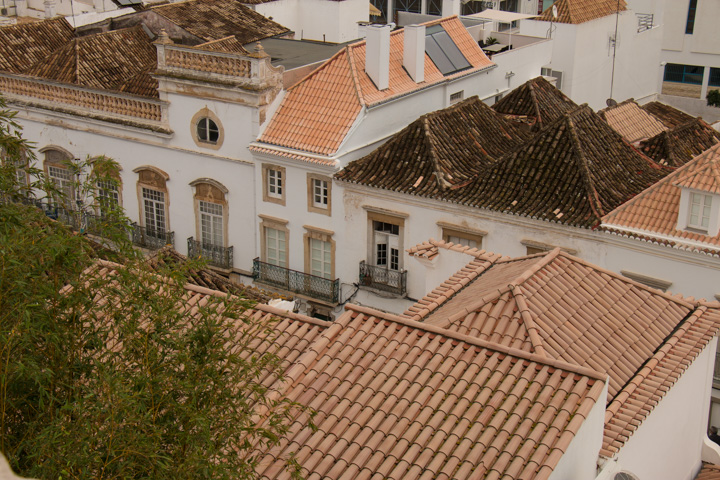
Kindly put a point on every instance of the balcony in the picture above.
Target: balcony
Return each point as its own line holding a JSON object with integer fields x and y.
{"x": 221, "y": 257}
{"x": 381, "y": 278}
{"x": 297, "y": 282}
{"x": 150, "y": 238}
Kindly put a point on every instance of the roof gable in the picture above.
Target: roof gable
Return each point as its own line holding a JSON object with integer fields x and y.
{"x": 581, "y": 11}
{"x": 573, "y": 172}
{"x": 318, "y": 112}
{"x": 441, "y": 150}
{"x": 26, "y": 44}
{"x": 104, "y": 60}
{"x": 217, "y": 19}
{"x": 631, "y": 122}
{"x": 536, "y": 101}
{"x": 656, "y": 209}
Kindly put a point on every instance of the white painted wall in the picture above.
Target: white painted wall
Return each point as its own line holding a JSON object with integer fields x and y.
{"x": 668, "y": 444}
{"x": 579, "y": 462}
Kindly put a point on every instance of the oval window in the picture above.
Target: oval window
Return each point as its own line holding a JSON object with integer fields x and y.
{"x": 207, "y": 130}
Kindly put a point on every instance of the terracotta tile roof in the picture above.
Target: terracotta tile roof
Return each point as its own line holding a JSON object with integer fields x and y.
{"x": 708, "y": 472}
{"x": 439, "y": 151}
{"x": 288, "y": 154}
{"x": 397, "y": 399}
{"x": 218, "y": 19}
{"x": 556, "y": 305}
{"x": 650, "y": 384}
{"x": 669, "y": 116}
{"x": 104, "y": 60}
{"x": 536, "y": 102}
{"x": 143, "y": 83}
{"x": 631, "y": 122}
{"x": 655, "y": 211}
{"x": 228, "y": 44}
{"x": 680, "y": 144}
{"x": 318, "y": 112}
{"x": 168, "y": 257}
{"x": 580, "y": 11}
{"x": 26, "y": 44}
{"x": 431, "y": 248}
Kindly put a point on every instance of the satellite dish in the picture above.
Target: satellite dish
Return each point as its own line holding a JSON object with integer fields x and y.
{"x": 554, "y": 11}
{"x": 610, "y": 102}
{"x": 624, "y": 476}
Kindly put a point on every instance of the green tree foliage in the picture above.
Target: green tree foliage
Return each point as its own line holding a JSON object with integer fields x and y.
{"x": 117, "y": 371}
{"x": 713, "y": 98}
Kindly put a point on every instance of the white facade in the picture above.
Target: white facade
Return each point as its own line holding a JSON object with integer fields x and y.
{"x": 319, "y": 20}
{"x": 593, "y": 67}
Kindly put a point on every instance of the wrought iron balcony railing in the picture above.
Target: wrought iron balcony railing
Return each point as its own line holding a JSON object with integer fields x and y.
{"x": 221, "y": 257}
{"x": 381, "y": 278}
{"x": 297, "y": 282}
{"x": 150, "y": 238}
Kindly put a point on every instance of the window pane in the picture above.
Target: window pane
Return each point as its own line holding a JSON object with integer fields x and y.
{"x": 211, "y": 223}
{"x": 154, "y": 203}
{"x": 275, "y": 247}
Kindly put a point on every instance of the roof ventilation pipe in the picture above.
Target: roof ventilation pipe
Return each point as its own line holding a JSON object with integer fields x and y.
{"x": 377, "y": 55}
{"x": 414, "y": 52}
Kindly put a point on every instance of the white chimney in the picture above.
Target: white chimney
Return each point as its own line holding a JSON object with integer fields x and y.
{"x": 377, "y": 55}
{"x": 49, "y": 6}
{"x": 414, "y": 52}
{"x": 450, "y": 8}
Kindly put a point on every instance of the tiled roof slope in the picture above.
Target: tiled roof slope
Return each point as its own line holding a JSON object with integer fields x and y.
{"x": 655, "y": 211}
{"x": 631, "y": 122}
{"x": 536, "y": 101}
{"x": 580, "y": 11}
{"x": 708, "y": 472}
{"x": 669, "y": 116}
{"x": 317, "y": 112}
{"x": 105, "y": 60}
{"x": 228, "y": 44}
{"x": 557, "y": 305}
{"x": 218, "y": 19}
{"x": 397, "y": 399}
{"x": 680, "y": 144}
{"x": 25, "y": 44}
{"x": 438, "y": 151}
{"x": 572, "y": 172}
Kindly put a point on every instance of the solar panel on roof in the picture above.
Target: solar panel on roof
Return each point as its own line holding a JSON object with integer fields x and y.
{"x": 443, "y": 52}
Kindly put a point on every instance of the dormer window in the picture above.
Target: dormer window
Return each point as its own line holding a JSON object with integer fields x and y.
{"x": 699, "y": 214}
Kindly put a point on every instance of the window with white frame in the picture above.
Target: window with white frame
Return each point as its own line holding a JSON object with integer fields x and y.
{"x": 108, "y": 196}
{"x": 319, "y": 193}
{"x": 699, "y": 214}
{"x": 273, "y": 184}
{"x": 211, "y": 223}
{"x": 154, "y": 212}
{"x": 320, "y": 258}
{"x": 275, "y": 247}
{"x": 62, "y": 178}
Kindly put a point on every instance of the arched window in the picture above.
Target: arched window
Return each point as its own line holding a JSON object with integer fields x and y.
{"x": 153, "y": 197}
{"x": 210, "y": 212}
{"x": 58, "y": 172}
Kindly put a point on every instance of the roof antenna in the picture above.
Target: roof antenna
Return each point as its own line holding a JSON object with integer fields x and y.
{"x": 554, "y": 17}
{"x": 612, "y": 75}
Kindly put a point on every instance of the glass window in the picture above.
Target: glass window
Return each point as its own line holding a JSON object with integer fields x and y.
{"x": 154, "y": 209}
{"x": 207, "y": 130}
{"x": 320, "y": 258}
{"x": 690, "y": 25}
{"x": 714, "y": 80}
{"x": 211, "y": 223}
{"x": 63, "y": 181}
{"x": 108, "y": 196}
{"x": 691, "y": 74}
{"x": 275, "y": 247}
{"x": 320, "y": 193}
{"x": 699, "y": 211}
{"x": 275, "y": 183}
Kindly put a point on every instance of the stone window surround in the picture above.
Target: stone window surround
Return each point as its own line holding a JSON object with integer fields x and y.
{"x": 265, "y": 185}
{"x": 540, "y": 247}
{"x": 266, "y": 221}
{"x": 215, "y": 192}
{"x": 324, "y": 236}
{"x": 159, "y": 183}
{"x": 449, "y": 229}
{"x": 206, "y": 113}
{"x": 311, "y": 194}
{"x": 376, "y": 214}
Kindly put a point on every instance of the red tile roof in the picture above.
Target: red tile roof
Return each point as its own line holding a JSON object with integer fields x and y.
{"x": 439, "y": 151}
{"x": 26, "y": 44}
{"x": 397, "y": 399}
{"x": 679, "y": 144}
{"x": 556, "y": 305}
{"x": 581, "y": 11}
{"x": 317, "y": 113}
{"x": 632, "y": 122}
{"x": 655, "y": 210}
{"x": 668, "y": 115}
{"x": 708, "y": 472}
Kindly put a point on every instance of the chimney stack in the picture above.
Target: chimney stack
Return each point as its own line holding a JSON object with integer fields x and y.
{"x": 450, "y": 8}
{"x": 377, "y": 55}
{"x": 414, "y": 52}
